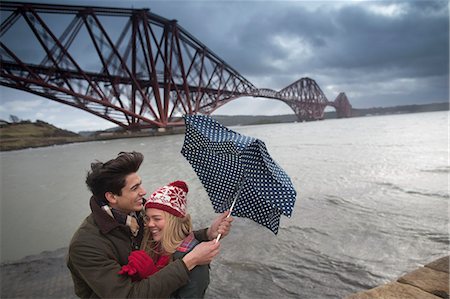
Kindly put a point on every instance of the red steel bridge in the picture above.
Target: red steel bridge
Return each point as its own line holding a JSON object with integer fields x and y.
{"x": 129, "y": 66}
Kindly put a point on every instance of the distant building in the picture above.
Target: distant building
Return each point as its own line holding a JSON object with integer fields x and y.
{"x": 106, "y": 134}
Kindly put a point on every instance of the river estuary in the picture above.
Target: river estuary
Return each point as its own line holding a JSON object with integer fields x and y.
{"x": 372, "y": 203}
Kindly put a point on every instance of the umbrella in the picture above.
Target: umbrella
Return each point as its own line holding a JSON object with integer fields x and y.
{"x": 238, "y": 172}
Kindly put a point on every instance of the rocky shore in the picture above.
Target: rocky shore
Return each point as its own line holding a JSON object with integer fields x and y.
{"x": 428, "y": 282}
{"x": 38, "y": 276}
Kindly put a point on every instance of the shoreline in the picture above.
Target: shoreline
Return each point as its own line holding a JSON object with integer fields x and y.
{"x": 37, "y": 142}
{"x": 45, "y": 142}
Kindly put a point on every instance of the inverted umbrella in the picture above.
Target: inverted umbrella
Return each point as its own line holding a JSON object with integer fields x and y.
{"x": 238, "y": 172}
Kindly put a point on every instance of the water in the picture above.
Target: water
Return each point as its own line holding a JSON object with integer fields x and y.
{"x": 372, "y": 203}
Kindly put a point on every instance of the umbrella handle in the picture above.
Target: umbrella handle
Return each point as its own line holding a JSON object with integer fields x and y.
{"x": 231, "y": 210}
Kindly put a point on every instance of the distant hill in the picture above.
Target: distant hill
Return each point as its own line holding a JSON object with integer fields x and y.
{"x": 33, "y": 129}
{"x": 246, "y": 120}
{"x": 401, "y": 109}
{"x": 26, "y": 134}
{"x": 33, "y": 134}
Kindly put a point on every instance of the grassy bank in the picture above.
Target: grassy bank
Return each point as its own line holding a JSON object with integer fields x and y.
{"x": 15, "y": 136}
{"x": 33, "y": 134}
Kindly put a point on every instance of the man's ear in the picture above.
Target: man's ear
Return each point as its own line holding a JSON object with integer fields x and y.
{"x": 110, "y": 197}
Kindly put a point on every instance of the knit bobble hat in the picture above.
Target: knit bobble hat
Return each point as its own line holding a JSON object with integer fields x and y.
{"x": 170, "y": 198}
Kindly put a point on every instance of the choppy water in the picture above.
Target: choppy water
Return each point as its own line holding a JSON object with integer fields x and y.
{"x": 372, "y": 203}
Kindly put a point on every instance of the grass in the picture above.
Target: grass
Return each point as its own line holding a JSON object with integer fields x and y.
{"x": 26, "y": 134}
{"x": 15, "y": 136}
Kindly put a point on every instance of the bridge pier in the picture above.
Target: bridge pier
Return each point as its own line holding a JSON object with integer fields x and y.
{"x": 343, "y": 106}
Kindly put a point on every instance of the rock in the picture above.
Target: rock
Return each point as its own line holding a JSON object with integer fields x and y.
{"x": 429, "y": 280}
{"x": 393, "y": 290}
{"x": 441, "y": 264}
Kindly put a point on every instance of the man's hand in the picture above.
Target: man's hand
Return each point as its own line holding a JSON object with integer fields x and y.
{"x": 221, "y": 225}
{"x": 202, "y": 254}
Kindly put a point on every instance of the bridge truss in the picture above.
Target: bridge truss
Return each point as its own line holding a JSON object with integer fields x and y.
{"x": 129, "y": 66}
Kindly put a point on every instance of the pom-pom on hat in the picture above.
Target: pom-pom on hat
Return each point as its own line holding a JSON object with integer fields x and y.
{"x": 170, "y": 198}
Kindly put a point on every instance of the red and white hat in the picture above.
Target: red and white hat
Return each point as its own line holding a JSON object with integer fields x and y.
{"x": 170, "y": 198}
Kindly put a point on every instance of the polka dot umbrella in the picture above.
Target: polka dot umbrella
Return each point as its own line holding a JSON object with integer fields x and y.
{"x": 238, "y": 172}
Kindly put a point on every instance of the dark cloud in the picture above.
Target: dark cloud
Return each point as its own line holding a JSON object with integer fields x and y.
{"x": 416, "y": 44}
{"x": 353, "y": 40}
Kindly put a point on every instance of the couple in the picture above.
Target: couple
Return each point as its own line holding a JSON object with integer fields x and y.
{"x": 118, "y": 252}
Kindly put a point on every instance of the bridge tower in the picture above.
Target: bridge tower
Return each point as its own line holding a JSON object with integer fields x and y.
{"x": 306, "y": 98}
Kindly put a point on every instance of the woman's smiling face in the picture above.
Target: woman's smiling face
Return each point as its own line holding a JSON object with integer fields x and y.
{"x": 155, "y": 220}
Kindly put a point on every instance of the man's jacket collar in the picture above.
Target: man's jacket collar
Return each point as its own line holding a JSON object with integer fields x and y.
{"x": 105, "y": 222}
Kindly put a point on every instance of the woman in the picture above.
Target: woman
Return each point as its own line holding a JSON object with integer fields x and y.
{"x": 169, "y": 236}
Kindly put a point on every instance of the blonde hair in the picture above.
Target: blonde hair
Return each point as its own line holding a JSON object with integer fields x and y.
{"x": 175, "y": 230}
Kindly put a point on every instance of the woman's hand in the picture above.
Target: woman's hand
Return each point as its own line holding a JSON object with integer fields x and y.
{"x": 221, "y": 225}
{"x": 202, "y": 254}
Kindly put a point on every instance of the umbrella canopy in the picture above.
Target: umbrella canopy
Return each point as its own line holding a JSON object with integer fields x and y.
{"x": 233, "y": 167}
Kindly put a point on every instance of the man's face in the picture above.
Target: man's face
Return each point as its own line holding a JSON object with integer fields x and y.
{"x": 132, "y": 194}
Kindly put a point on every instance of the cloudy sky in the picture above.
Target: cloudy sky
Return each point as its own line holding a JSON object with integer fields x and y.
{"x": 380, "y": 53}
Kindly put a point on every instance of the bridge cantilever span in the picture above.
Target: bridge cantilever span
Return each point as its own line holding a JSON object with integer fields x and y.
{"x": 307, "y": 100}
{"x": 129, "y": 66}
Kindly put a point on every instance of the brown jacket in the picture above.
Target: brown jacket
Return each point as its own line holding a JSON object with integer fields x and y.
{"x": 100, "y": 247}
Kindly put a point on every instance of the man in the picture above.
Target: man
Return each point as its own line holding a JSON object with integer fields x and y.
{"x": 104, "y": 241}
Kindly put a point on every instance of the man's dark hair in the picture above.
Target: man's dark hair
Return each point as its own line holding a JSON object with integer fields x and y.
{"x": 110, "y": 176}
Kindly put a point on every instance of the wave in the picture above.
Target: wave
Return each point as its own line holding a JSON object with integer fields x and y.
{"x": 414, "y": 192}
{"x": 403, "y": 231}
{"x": 292, "y": 275}
{"x": 443, "y": 239}
{"x": 347, "y": 204}
{"x": 47, "y": 255}
{"x": 443, "y": 169}
{"x": 305, "y": 231}
{"x": 433, "y": 236}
